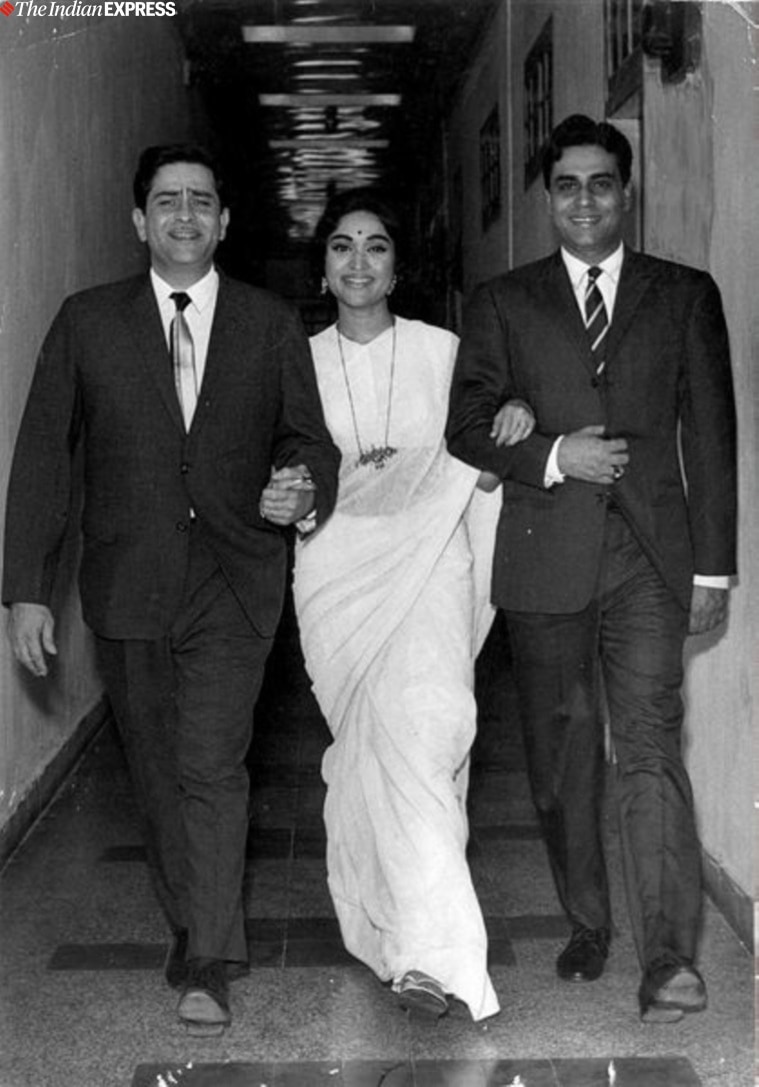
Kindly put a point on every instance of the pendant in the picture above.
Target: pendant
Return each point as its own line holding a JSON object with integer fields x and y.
{"x": 376, "y": 456}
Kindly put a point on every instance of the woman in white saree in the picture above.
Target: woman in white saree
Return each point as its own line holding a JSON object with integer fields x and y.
{"x": 391, "y": 597}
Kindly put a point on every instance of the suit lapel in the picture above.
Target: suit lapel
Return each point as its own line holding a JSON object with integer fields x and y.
{"x": 635, "y": 278}
{"x": 223, "y": 347}
{"x": 144, "y": 321}
{"x": 561, "y": 304}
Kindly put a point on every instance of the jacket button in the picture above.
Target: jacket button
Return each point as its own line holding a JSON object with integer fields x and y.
{"x": 184, "y": 468}
{"x": 181, "y": 526}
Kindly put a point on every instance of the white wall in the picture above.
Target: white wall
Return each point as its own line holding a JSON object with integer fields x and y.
{"x": 701, "y": 144}
{"x": 78, "y": 99}
{"x": 485, "y": 87}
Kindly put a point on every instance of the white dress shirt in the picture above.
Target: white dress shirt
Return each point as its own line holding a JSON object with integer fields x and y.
{"x": 198, "y": 314}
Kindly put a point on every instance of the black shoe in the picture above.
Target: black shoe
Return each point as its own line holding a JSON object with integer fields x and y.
{"x": 584, "y": 957}
{"x": 175, "y": 969}
{"x": 670, "y": 990}
{"x": 205, "y": 996}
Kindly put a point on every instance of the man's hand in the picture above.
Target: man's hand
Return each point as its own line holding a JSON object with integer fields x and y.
{"x": 288, "y": 496}
{"x": 585, "y": 454}
{"x": 708, "y": 608}
{"x": 514, "y": 421}
{"x": 30, "y": 631}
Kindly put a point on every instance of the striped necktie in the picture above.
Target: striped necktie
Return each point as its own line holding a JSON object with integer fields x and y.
{"x": 183, "y": 358}
{"x": 596, "y": 319}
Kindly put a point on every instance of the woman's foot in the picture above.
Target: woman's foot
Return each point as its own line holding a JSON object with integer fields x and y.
{"x": 418, "y": 992}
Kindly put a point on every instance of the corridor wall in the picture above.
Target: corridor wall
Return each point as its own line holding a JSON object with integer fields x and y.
{"x": 79, "y": 98}
{"x": 701, "y": 147}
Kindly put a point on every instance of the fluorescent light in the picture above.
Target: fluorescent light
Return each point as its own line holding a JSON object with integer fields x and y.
{"x": 332, "y": 62}
{"x": 325, "y": 141}
{"x": 300, "y": 101}
{"x": 301, "y": 76}
{"x": 321, "y": 35}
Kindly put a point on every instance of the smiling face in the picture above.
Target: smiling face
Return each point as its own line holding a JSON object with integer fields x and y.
{"x": 359, "y": 262}
{"x": 183, "y": 222}
{"x": 587, "y": 202}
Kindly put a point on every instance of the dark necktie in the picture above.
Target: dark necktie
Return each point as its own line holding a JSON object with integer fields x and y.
{"x": 596, "y": 319}
{"x": 183, "y": 358}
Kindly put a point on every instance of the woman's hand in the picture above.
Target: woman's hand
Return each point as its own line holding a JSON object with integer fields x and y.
{"x": 513, "y": 423}
{"x": 288, "y": 496}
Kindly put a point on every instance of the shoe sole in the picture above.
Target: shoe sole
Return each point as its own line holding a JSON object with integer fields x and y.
{"x": 685, "y": 996}
{"x": 575, "y": 978}
{"x": 669, "y": 1012}
{"x": 204, "y": 1030}
{"x": 422, "y": 1003}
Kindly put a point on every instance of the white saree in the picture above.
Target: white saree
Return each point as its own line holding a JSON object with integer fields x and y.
{"x": 391, "y": 597}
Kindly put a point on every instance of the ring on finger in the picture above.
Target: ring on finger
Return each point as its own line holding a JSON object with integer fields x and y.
{"x": 617, "y": 472}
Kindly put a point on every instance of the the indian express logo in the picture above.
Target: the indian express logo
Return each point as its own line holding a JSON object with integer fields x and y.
{"x": 146, "y": 8}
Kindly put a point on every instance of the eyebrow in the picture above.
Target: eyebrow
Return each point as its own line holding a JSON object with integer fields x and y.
{"x": 349, "y": 238}
{"x": 180, "y": 188}
{"x": 592, "y": 177}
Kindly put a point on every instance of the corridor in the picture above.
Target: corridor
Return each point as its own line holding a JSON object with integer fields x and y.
{"x": 84, "y": 1002}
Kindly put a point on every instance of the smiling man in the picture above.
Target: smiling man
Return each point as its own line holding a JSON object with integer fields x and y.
{"x": 187, "y": 388}
{"x": 616, "y": 538}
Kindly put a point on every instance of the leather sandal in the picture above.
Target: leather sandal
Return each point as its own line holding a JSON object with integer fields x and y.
{"x": 418, "y": 992}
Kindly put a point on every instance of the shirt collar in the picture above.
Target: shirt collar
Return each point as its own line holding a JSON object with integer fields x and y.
{"x": 577, "y": 269}
{"x": 202, "y": 293}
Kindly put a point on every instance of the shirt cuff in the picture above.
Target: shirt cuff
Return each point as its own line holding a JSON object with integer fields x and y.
{"x": 552, "y": 473}
{"x": 712, "y": 581}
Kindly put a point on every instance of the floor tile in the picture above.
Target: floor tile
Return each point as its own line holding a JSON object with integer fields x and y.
{"x": 317, "y": 1074}
{"x": 484, "y": 1073}
{"x": 317, "y": 953}
{"x": 386, "y": 1073}
{"x": 501, "y": 953}
{"x": 127, "y": 956}
{"x": 203, "y": 1075}
{"x": 627, "y": 1072}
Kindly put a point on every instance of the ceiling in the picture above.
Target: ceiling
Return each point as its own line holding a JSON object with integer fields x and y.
{"x": 323, "y": 95}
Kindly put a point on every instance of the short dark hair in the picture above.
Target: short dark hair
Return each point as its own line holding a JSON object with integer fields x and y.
{"x": 365, "y": 198}
{"x": 153, "y": 158}
{"x": 581, "y": 131}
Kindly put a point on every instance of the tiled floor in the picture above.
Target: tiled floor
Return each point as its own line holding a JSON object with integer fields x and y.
{"x": 83, "y": 1002}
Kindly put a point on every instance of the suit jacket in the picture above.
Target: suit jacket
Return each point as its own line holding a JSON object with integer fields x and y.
{"x": 104, "y": 375}
{"x": 666, "y": 388}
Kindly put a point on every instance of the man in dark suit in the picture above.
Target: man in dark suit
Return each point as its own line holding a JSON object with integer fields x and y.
{"x": 607, "y": 552}
{"x": 186, "y": 389}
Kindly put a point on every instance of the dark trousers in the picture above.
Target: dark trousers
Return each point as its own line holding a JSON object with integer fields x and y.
{"x": 632, "y": 634}
{"x": 184, "y": 706}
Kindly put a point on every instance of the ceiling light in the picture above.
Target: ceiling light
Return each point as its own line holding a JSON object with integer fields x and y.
{"x": 327, "y": 75}
{"x": 321, "y": 35}
{"x": 334, "y": 62}
{"x": 301, "y": 100}
{"x": 325, "y": 141}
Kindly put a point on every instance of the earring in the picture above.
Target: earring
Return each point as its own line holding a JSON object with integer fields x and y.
{"x": 391, "y": 288}
{"x": 324, "y": 286}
